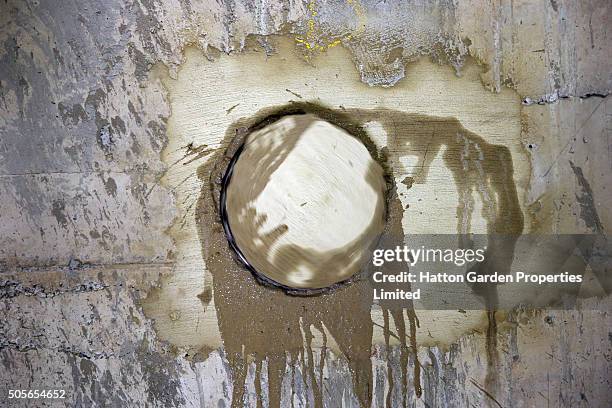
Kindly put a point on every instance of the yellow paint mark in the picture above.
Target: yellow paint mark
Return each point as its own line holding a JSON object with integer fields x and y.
{"x": 315, "y": 40}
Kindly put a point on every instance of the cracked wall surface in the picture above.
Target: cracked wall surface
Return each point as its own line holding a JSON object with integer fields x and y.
{"x": 95, "y": 222}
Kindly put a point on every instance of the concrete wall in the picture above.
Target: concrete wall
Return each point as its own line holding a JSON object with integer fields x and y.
{"x": 99, "y": 100}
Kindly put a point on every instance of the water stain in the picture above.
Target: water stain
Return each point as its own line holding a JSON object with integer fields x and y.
{"x": 269, "y": 325}
{"x": 477, "y": 167}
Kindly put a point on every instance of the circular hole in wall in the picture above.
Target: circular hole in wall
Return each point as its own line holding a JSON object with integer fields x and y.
{"x": 303, "y": 203}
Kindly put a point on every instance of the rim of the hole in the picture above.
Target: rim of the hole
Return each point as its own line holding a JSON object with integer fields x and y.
{"x": 259, "y": 276}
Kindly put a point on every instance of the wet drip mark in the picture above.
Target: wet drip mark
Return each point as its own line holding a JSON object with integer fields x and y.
{"x": 414, "y": 324}
{"x": 387, "y": 334}
{"x": 492, "y": 355}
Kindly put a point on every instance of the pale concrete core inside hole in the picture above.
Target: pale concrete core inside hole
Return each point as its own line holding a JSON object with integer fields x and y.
{"x": 305, "y": 202}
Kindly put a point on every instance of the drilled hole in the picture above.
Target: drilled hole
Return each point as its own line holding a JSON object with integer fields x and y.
{"x": 303, "y": 203}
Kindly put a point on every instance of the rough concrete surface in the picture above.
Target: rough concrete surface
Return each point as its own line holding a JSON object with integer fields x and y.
{"x": 108, "y": 111}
